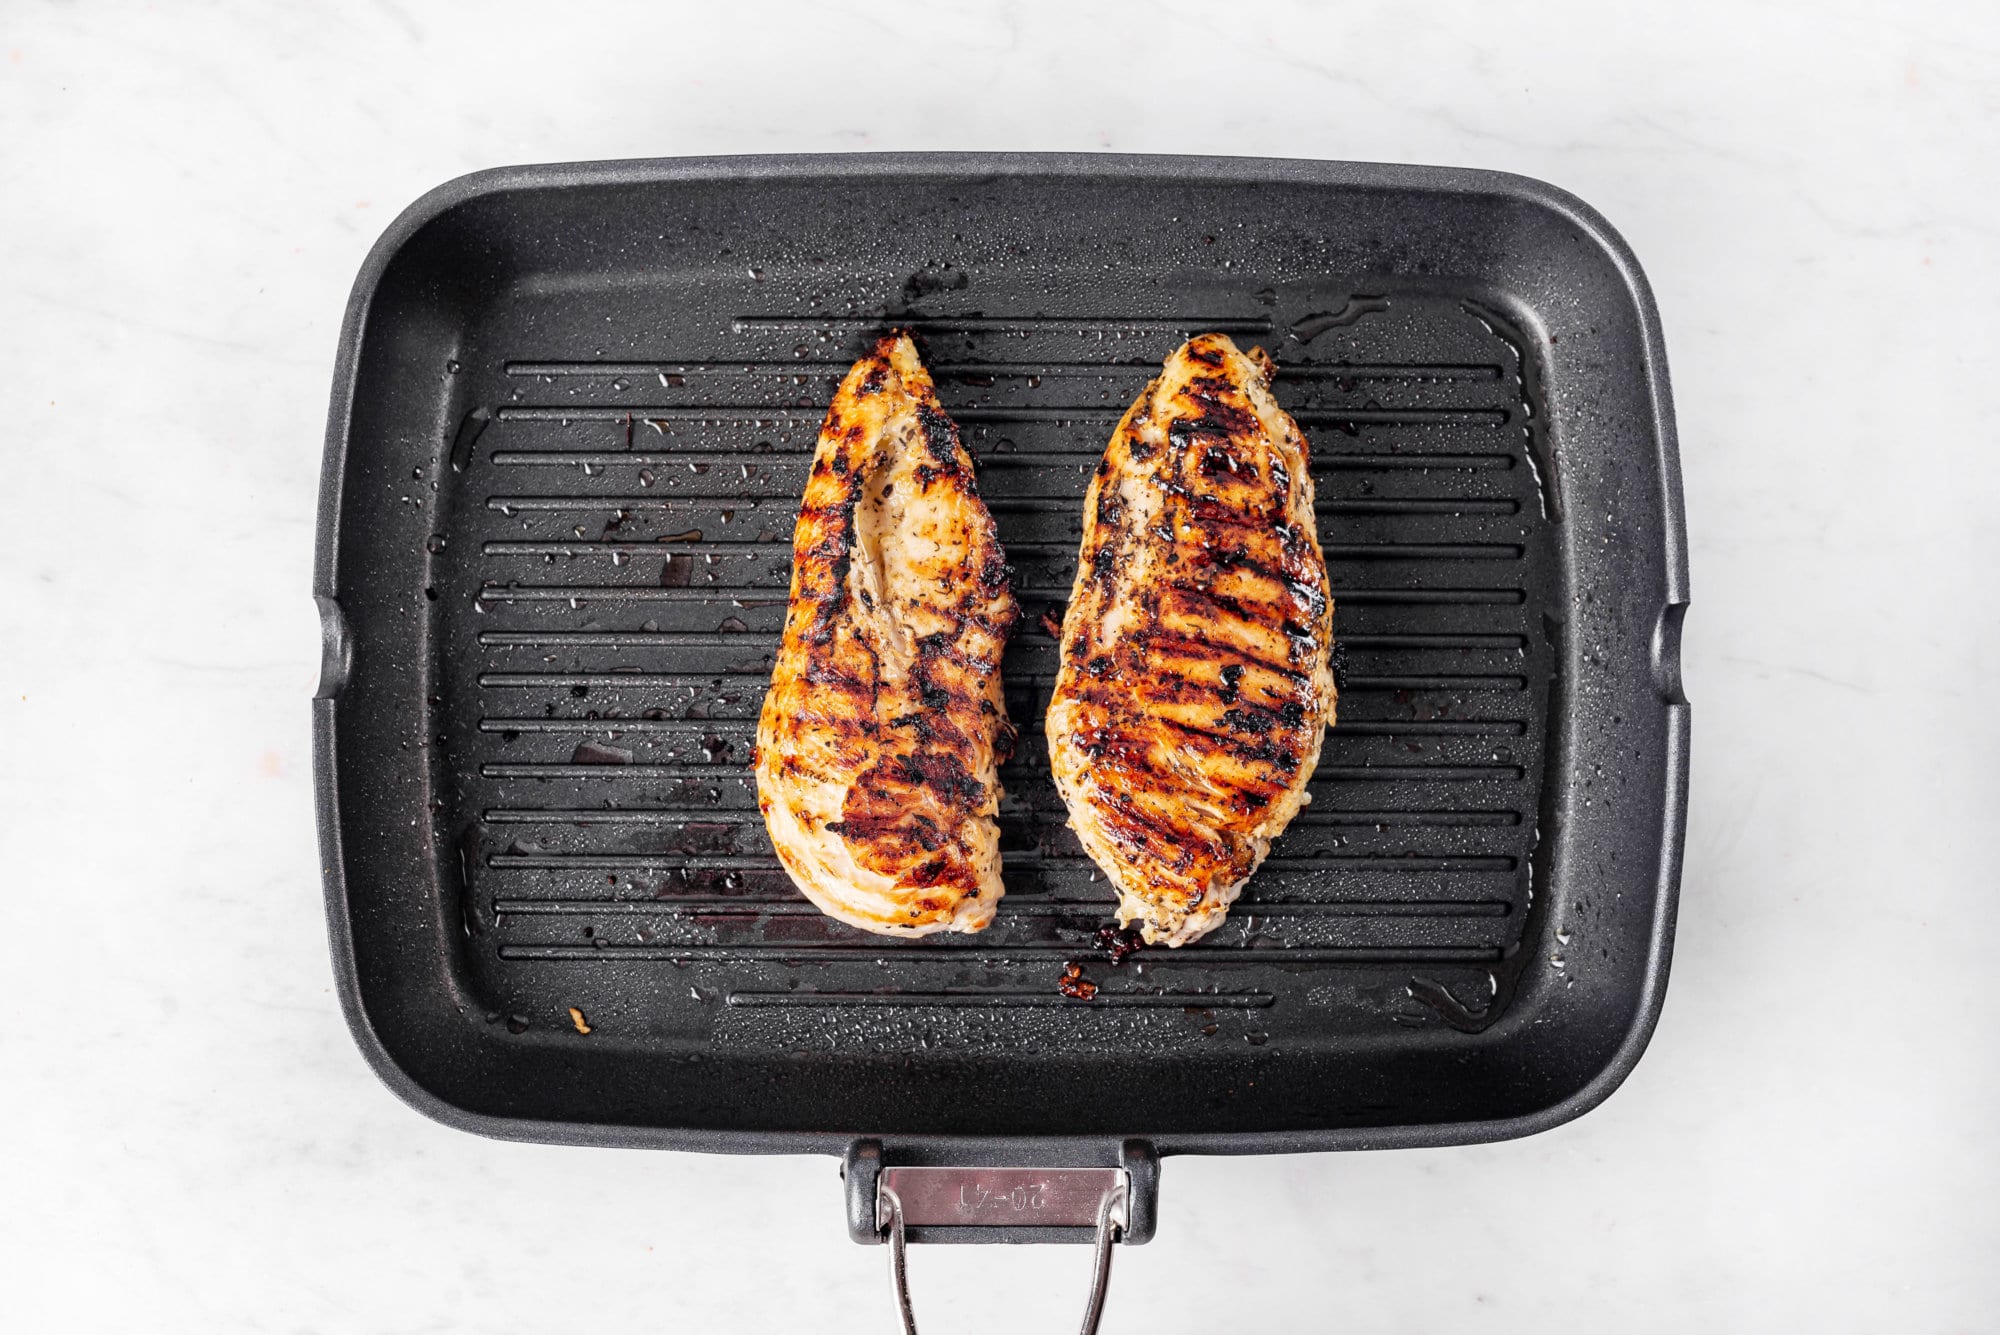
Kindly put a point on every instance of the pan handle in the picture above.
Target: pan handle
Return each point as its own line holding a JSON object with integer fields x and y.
{"x": 1112, "y": 1216}
{"x": 956, "y": 1191}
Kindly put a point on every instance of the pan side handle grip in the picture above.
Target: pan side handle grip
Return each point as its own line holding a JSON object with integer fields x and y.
{"x": 336, "y": 649}
{"x": 1001, "y": 1193}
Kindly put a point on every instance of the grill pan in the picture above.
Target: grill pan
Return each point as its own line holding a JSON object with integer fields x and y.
{"x": 571, "y": 419}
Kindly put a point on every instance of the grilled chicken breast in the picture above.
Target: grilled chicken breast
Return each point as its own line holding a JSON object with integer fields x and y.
{"x": 1196, "y": 681}
{"x": 880, "y": 739}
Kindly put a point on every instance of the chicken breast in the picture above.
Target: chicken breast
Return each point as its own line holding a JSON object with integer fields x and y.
{"x": 880, "y": 741}
{"x": 1196, "y": 681}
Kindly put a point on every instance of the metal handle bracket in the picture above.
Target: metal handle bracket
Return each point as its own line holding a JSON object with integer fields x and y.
{"x": 971, "y": 1194}
{"x": 1044, "y": 1194}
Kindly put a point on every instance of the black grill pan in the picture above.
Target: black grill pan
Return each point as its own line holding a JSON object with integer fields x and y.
{"x": 571, "y": 420}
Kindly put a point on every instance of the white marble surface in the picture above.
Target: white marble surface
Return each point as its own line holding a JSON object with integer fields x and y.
{"x": 191, "y": 1142}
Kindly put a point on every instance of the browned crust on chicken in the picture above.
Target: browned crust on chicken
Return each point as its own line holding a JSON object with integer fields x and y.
{"x": 1196, "y": 682}
{"x": 878, "y": 747}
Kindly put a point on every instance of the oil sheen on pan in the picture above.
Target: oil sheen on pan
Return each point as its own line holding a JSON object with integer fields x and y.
{"x": 1195, "y": 685}
{"x": 880, "y": 740}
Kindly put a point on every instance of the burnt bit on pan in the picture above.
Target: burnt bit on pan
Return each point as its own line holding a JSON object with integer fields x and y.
{"x": 1118, "y": 944}
{"x": 1074, "y": 984}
